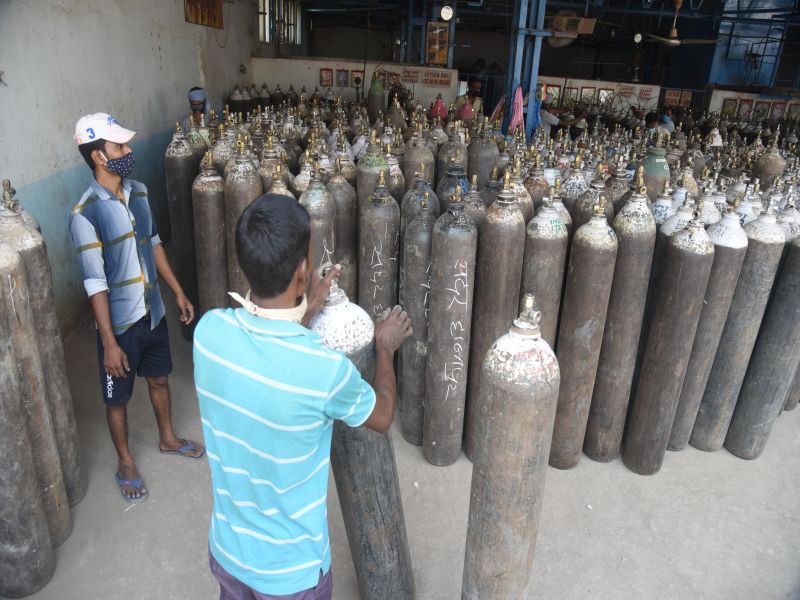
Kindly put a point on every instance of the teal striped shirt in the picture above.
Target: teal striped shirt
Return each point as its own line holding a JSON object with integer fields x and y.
{"x": 269, "y": 392}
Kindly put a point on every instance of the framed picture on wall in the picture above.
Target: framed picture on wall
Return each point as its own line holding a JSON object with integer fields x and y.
{"x": 729, "y": 108}
{"x": 326, "y": 77}
{"x": 203, "y": 12}
{"x": 570, "y": 96}
{"x": 587, "y": 94}
{"x": 745, "y": 107}
{"x": 778, "y": 109}
{"x": 761, "y": 110}
{"x": 342, "y": 78}
{"x": 793, "y": 114}
{"x": 357, "y": 75}
{"x": 605, "y": 96}
{"x": 555, "y": 92}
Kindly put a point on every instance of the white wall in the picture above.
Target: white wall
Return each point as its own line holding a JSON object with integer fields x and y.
{"x": 135, "y": 59}
{"x": 719, "y": 96}
{"x": 639, "y": 95}
{"x": 305, "y": 72}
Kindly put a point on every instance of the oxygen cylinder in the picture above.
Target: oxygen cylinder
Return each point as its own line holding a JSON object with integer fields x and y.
{"x": 793, "y": 397}
{"x": 31, "y": 247}
{"x": 222, "y": 150}
{"x": 415, "y": 291}
{"x": 418, "y": 158}
{"x": 773, "y": 364}
{"x": 764, "y": 248}
{"x": 583, "y": 209}
{"x": 412, "y": 201}
{"x": 453, "y": 150}
{"x": 344, "y": 196}
{"x": 617, "y": 187}
{"x": 18, "y": 312}
{"x": 473, "y": 204}
{"x": 546, "y": 244}
{"x": 537, "y": 185}
{"x": 369, "y": 166}
{"x": 196, "y": 142}
{"x": 242, "y": 186}
{"x": 208, "y": 203}
{"x": 668, "y": 346}
{"x": 635, "y": 228}
{"x": 730, "y": 246}
{"x": 378, "y": 241}
{"x": 364, "y": 467}
{"x": 452, "y": 281}
{"x": 516, "y": 405}
{"x": 489, "y": 193}
{"x": 395, "y": 182}
{"x": 497, "y": 281}
{"x": 376, "y": 100}
{"x": 574, "y": 185}
{"x": 523, "y": 198}
{"x": 662, "y": 208}
{"x": 482, "y": 156}
{"x": 321, "y": 208}
{"x": 279, "y": 185}
{"x": 455, "y": 177}
{"x": 583, "y": 315}
{"x": 27, "y": 560}
{"x": 559, "y": 207}
{"x": 269, "y": 160}
{"x": 303, "y": 179}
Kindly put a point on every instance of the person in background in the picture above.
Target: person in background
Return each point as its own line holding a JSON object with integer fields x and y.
{"x": 667, "y": 123}
{"x": 472, "y": 97}
{"x": 269, "y": 392}
{"x": 121, "y": 257}
{"x": 200, "y": 107}
{"x": 577, "y": 123}
{"x": 549, "y": 114}
{"x": 650, "y": 124}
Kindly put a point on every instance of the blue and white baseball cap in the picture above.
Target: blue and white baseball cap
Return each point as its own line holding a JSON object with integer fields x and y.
{"x": 101, "y": 126}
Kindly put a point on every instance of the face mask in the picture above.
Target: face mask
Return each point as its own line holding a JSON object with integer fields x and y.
{"x": 666, "y": 119}
{"x": 122, "y": 166}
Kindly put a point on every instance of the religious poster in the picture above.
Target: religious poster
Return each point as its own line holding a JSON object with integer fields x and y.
{"x": 437, "y": 43}
{"x": 778, "y": 108}
{"x": 729, "y": 108}
{"x": 605, "y": 96}
{"x": 745, "y": 106}
{"x": 203, "y": 12}
{"x": 760, "y": 110}
{"x": 554, "y": 91}
{"x": 326, "y": 77}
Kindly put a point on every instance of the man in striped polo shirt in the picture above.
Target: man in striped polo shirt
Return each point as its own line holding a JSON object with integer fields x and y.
{"x": 120, "y": 255}
{"x": 269, "y": 391}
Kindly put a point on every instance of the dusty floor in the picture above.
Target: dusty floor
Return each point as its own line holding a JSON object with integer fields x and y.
{"x": 708, "y": 526}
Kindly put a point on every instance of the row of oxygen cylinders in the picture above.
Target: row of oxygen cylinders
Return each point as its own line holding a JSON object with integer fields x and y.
{"x": 40, "y": 467}
{"x": 656, "y": 324}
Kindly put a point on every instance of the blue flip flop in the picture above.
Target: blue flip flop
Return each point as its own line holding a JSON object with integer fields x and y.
{"x": 136, "y": 483}
{"x": 188, "y": 446}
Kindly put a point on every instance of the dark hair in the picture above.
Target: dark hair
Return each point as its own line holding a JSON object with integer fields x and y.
{"x": 194, "y": 89}
{"x": 474, "y": 79}
{"x": 651, "y": 117}
{"x": 272, "y": 239}
{"x": 89, "y": 147}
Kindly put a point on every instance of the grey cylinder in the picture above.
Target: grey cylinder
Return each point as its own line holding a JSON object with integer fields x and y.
{"x": 764, "y": 249}
{"x": 242, "y": 186}
{"x": 180, "y": 169}
{"x": 775, "y": 358}
{"x": 208, "y": 203}
{"x": 546, "y": 244}
{"x": 415, "y": 292}
{"x": 793, "y": 397}
{"x": 31, "y": 247}
{"x": 517, "y": 401}
{"x": 321, "y": 208}
{"x": 669, "y": 344}
{"x": 344, "y": 195}
{"x": 730, "y": 246}
{"x": 33, "y": 397}
{"x": 588, "y": 288}
{"x": 27, "y": 560}
{"x": 497, "y": 281}
{"x": 378, "y": 241}
{"x": 452, "y": 280}
{"x": 369, "y": 166}
{"x": 635, "y": 228}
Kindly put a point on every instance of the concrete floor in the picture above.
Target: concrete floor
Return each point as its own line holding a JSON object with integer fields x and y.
{"x": 708, "y": 526}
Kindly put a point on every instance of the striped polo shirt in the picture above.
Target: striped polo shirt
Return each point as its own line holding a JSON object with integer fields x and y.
{"x": 115, "y": 241}
{"x": 269, "y": 392}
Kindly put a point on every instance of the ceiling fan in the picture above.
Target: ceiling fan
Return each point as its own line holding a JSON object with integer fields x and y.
{"x": 672, "y": 41}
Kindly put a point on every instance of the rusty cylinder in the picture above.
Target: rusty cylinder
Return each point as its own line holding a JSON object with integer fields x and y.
{"x": 49, "y": 477}
{"x": 208, "y": 203}
{"x": 31, "y": 247}
{"x": 773, "y": 364}
{"x": 546, "y": 244}
{"x": 517, "y": 403}
{"x": 415, "y": 292}
{"x": 730, "y": 246}
{"x": 27, "y": 559}
{"x": 498, "y": 277}
{"x": 346, "y": 228}
{"x": 378, "y": 241}
{"x": 364, "y": 467}
{"x": 242, "y": 186}
{"x": 321, "y": 208}
{"x": 669, "y": 344}
{"x": 636, "y": 237}
{"x": 589, "y": 277}
{"x": 180, "y": 170}
{"x": 452, "y": 281}
{"x": 764, "y": 249}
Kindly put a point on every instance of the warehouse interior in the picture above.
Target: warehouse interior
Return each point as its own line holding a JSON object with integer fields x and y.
{"x": 624, "y": 184}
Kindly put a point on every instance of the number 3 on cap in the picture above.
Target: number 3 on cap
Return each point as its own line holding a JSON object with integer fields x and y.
{"x": 90, "y": 131}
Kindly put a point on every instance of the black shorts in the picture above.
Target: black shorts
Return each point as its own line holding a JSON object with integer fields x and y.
{"x": 148, "y": 356}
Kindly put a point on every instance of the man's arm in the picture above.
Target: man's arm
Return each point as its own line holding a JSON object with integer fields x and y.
{"x": 115, "y": 360}
{"x": 165, "y": 271}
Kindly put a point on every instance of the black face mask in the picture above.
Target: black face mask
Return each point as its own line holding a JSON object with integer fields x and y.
{"x": 474, "y": 93}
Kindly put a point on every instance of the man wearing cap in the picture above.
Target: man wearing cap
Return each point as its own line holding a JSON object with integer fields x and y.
{"x": 200, "y": 107}
{"x": 120, "y": 255}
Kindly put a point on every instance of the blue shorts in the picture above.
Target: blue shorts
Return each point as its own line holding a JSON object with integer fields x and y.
{"x": 148, "y": 356}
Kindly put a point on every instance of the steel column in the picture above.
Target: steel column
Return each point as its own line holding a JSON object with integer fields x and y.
{"x": 533, "y": 73}
{"x": 518, "y": 37}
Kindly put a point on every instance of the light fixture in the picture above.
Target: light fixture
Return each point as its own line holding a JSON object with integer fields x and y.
{"x": 637, "y": 38}
{"x": 446, "y": 13}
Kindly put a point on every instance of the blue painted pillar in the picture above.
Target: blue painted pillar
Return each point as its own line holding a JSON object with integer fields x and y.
{"x": 534, "y": 67}
{"x": 516, "y": 55}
